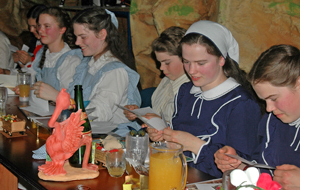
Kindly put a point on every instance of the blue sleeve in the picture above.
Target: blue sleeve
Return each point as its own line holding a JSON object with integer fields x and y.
{"x": 243, "y": 128}
{"x": 241, "y": 134}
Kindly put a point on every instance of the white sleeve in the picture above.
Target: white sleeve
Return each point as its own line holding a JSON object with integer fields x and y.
{"x": 67, "y": 70}
{"x": 110, "y": 90}
{"x": 6, "y": 61}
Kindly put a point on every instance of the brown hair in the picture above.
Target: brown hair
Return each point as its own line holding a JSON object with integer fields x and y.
{"x": 96, "y": 19}
{"x": 169, "y": 40}
{"x": 279, "y": 65}
{"x": 63, "y": 19}
{"x": 230, "y": 68}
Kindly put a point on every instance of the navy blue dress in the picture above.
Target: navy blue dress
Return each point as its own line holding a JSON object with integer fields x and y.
{"x": 224, "y": 115}
{"x": 279, "y": 142}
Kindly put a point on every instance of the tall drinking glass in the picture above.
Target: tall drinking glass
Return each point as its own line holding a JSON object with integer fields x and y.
{"x": 137, "y": 147}
{"x": 24, "y": 82}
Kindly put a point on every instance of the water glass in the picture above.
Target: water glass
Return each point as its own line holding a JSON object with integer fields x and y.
{"x": 3, "y": 97}
{"x": 115, "y": 162}
{"x": 24, "y": 82}
{"x": 137, "y": 147}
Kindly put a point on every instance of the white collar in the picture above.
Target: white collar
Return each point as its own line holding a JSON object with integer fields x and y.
{"x": 218, "y": 91}
{"x": 295, "y": 123}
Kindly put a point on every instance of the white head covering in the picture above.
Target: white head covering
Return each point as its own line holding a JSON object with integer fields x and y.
{"x": 219, "y": 35}
{"x": 113, "y": 18}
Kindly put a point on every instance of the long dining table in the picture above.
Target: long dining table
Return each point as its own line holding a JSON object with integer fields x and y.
{"x": 16, "y": 160}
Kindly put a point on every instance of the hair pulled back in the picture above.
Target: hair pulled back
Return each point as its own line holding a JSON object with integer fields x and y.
{"x": 96, "y": 19}
{"x": 63, "y": 20}
{"x": 279, "y": 65}
{"x": 169, "y": 40}
{"x": 35, "y": 10}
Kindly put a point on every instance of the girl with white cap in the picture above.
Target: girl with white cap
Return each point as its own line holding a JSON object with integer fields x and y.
{"x": 217, "y": 108}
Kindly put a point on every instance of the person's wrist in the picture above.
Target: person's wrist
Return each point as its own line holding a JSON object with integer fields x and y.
{"x": 6, "y": 71}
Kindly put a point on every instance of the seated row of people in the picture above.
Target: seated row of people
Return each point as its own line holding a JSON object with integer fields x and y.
{"x": 211, "y": 104}
{"x": 217, "y": 112}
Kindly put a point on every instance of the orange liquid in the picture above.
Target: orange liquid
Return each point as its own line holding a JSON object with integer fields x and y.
{"x": 165, "y": 172}
{"x": 24, "y": 90}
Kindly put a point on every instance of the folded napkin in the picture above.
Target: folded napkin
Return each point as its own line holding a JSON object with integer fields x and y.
{"x": 111, "y": 142}
{"x": 40, "y": 153}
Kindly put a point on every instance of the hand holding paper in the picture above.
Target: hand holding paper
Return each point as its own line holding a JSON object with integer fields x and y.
{"x": 154, "y": 122}
{"x": 250, "y": 163}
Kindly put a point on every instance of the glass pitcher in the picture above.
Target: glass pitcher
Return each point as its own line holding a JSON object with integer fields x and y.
{"x": 168, "y": 166}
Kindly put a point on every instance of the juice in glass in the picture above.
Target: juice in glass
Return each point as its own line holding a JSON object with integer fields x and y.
{"x": 165, "y": 171}
{"x": 116, "y": 171}
{"x": 24, "y": 92}
{"x": 115, "y": 162}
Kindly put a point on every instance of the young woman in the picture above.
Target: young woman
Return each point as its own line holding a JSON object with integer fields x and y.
{"x": 25, "y": 58}
{"x": 104, "y": 73}
{"x": 275, "y": 77}
{"x": 216, "y": 108}
{"x": 55, "y": 62}
{"x": 7, "y": 61}
{"x": 165, "y": 49}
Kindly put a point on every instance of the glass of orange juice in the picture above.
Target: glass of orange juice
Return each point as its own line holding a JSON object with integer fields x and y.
{"x": 24, "y": 81}
{"x": 168, "y": 166}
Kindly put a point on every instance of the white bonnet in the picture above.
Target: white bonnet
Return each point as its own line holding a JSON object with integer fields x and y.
{"x": 219, "y": 35}
{"x": 113, "y": 18}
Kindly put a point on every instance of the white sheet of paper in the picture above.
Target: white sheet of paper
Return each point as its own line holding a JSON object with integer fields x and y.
{"x": 204, "y": 186}
{"x": 154, "y": 122}
{"x": 25, "y": 48}
{"x": 39, "y": 111}
{"x": 143, "y": 111}
{"x": 8, "y": 80}
{"x": 43, "y": 121}
{"x": 39, "y": 106}
{"x": 102, "y": 127}
{"x": 38, "y": 102}
{"x": 250, "y": 163}
{"x": 10, "y": 92}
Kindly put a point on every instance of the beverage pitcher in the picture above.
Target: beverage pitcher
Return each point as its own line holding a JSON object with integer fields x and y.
{"x": 168, "y": 166}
